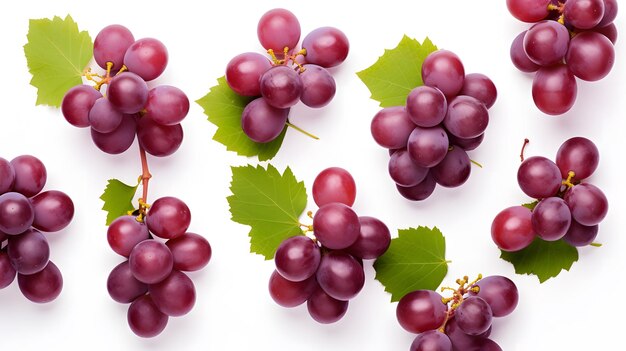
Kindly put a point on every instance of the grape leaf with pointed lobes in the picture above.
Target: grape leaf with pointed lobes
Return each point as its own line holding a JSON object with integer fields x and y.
{"x": 118, "y": 199}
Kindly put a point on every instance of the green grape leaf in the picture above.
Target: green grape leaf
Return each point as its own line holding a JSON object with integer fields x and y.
{"x": 118, "y": 199}
{"x": 224, "y": 108}
{"x": 415, "y": 260}
{"x": 270, "y": 203}
{"x": 56, "y": 53}
{"x": 545, "y": 259}
{"x": 397, "y": 72}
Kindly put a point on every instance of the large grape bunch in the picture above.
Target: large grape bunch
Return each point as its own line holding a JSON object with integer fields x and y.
{"x": 570, "y": 39}
{"x": 151, "y": 279}
{"x": 289, "y": 77}
{"x": 26, "y": 212}
{"x": 567, "y": 207}
{"x": 327, "y": 271}
{"x": 428, "y": 139}
{"x": 130, "y": 107}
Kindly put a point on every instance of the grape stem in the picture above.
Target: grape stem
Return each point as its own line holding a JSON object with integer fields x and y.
{"x": 465, "y": 286}
{"x": 521, "y": 154}
{"x": 301, "y": 130}
{"x": 476, "y": 163}
{"x": 568, "y": 182}
{"x": 145, "y": 179}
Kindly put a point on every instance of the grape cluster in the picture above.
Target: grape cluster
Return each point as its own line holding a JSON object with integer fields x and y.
{"x": 291, "y": 76}
{"x": 570, "y": 38}
{"x": 567, "y": 209}
{"x": 461, "y": 322}
{"x": 327, "y": 271}
{"x": 25, "y": 212}
{"x": 129, "y": 106}
{"x": 152, "y": 279}
{"x": 428, "y": 139}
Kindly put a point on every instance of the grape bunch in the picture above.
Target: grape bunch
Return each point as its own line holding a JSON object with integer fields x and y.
{"x": 129, "y": 107}
{"x": 428, "y": 139}
{"x": 152, "y": 278}
{"x": 567, "y": 208}
{"x": 290, "y": 76}
{"x": 26, "y": 212}
{"x": 327, "y": 272}
{"x": 461, "y": 322}
{"x": 570, "y": 38}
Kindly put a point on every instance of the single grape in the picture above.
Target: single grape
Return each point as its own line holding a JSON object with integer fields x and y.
{"x": 111, "y": 44}
{"x": 77, "y": 103}
{"x": 587, "y": 203}
{"x": 122, "y": 286}
{"x": 128, "y": 92}
{"x": 579, "y": 155}
{"x": 290, "y": 294}
{"x": 421, "y": 191}
{"x": 420, "y": 311}
{"x": 262, "y": 122}
{"x": 336, "y": 226}
{"x": 512, "y": 229}
{"x": 340, "y": 275}
{"x": 16, "y": 213}
{"x": 244, "y": 71}
{"x": 500, "y": 293}
{"x": 580, "y": 235}
{"x": 546, "y": 43}
{"x": 145, "y": 319}
{"x": 610, "y": 13}
{"x": 325, "y": 309}
{"x": 466, "y": 118}
{"x": 590, "y": 56}
{"x": 428, "y": 146}
{"x": 318, "y": 86}
{"x": 554, "y": 89}
{"x": 443, "y": 69}
{"x": 488, "y": 345}
{"x": 404, "y": 171}
{"x": 528, "y": 10}
{"x": 426, "y": 106}
{"x": 104, "y": 117}
{"x": 191, "y": 252}
{"x": 466, "y": 144}
{"x": 539, "y": 177}
{"x": 278, "y": 29}
{"x": 391, "y": 127}
{"x": 583, "y": 14}
{"x": 151, "y": 261}
{"x": 43, "y": 286}
{"x": 167, "y": 105}
{"x": 609, "y": 31}
{"x": 29, "y": 252}
{"x": 118, "y": 140}
{"x": 326, "y": 46}
{"x": 147, "y": 58}
{"x": 373, "y": 241}
{"x": 281, "y": 86}
{"x": 519, "y": 57}
{"x": 432, "y": 340}
{"x": 168, "y": 217}
{"x": 175, "y": 295}
{"x": 157, "y": 139}
{"x": 473, "y": 315}
{"x": 480, "y": 87}
{"x": 124, "y": 233}
{"x": 551, "y": 218}
{"x": 30, "y": 175}
{"x": 334, "y": 184}
{"x": 7, "y": 176}
{"x": 454, "y": 170}
{"x": 297, "y": 258}
{"x": 54, "y": 210}
{"x": 460, "y": 340}
{"x": 7, "y": 272}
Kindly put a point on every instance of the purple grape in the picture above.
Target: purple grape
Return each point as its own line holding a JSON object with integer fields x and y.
{"x": 426, "y": 106}
{"x": 326, "y": 46}
{"x": 420, "y": 311}
{"x": 147, "y": 58}
{"x": 325, "y": 309}
{"x": 43, "y": 286}
{"x": 290, "y": 294}
{"x": 587, "y": 203}
{"x": 454, "y": 170}
{"x": 30, "y": 175}
{"x": 466, "y": 118}
{"x": 297, "y": 258}
{"x": 104, "y": 117}
{"x": 590, "y": 56}
{"x": 466, "y": 144}
{"x": 432, "y": 340}
{"x": 29, "y": 252}
{"x": 546, "y": 42}
{"x": 539, "y": 177}
{"x": 191, "y": 252}
{"x": 334, "y": 184}
{"x": 528, "y": 10}
{"x": 519, "y": 57}
{"x": 404, "y": 171}
{"x": 391, "y": 127}
{"x": 583, "y": 14}
{"x": 145, "y": 319}
{"x": 168, "y": 218}
{"x": 262, "y": 122}
{"x": 111, "y": 44}
{"x": 128, "y": 92}
{"x": 3, "y": 237}
{"x": 580, "y": 235}
{"x": 374, "y": 239}
{"x": 336, "y": 226}
{"x": 174, "y": 296}
{"x": 512, "y": 229}
{"x": 122, "y": 285}
{"x": 551, "y": 218}
{"x": 460, "y": 340}
{"x": 124, "y": 233}
{"x": 167, "y": 105}
{"x": 609, "y": 31}
{"x": 480, "y": 87}
{"x": 278, "y": 29}
{"x": 554, "y": 89}
{"x": 157, "y": 139}
{"x": 118, "y": 140}
{"x": 610, "y": 13}
{"x": 340, "y": 275}
{"x": 428, "y": 146}
{"x": 473, "y": 315}
{"x": 7, "y": 272}
{"x": 500, "y": 293}
{"x": 443, "y": 69}
{"x": 16, "y": 213}
{"x": 421, "y": 191}
{"x": 7, "y": 176}
{"x": 488, "y": 345}
{"x": 281, "y": 86}
{"x": 244, "y": 71}
{"x": 151, "y": 261}
{"x": 77, "y": 103}
{"x": 318, "y": 86}
{"x": 579, "y": 155}
{"x": 54, "y": 210}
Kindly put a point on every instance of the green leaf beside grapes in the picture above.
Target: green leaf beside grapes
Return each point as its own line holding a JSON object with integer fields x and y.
{"x": 270, "y": 203}
{"x": 545, "y": 259}
{"x": 56, "y": 53}
{"x": 397, "y": 72}
{"x": 224, "y": 108}
{"x": 118, "y": 199}
{"x": 415, "y": 260}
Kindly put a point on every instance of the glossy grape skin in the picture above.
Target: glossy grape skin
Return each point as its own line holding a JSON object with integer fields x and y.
{"x": 167, "y": 105}
{"x": 518, "y": 55}
{"x": 297, "y": 258}
{"x": 554, "y": 89}
{"x": 466, "y": 144}
{"x": 551, "y": 219}
{"x": 30, "y": 175}
{"x": 336, "y": 226}
{"x": 7, "y": 176}
{"x": 609, "y": 31}
{"x": 7, "y": 272}
{"x": 454, "y": 170}
{"x": 318, "y": 86}
{"x": 168, "y": 217}
{"x": 3, "y": 237}
{"x": 340, "y": 275}
{"x": 43, "y": 286}
{"x": 428, "y": 146}
{"x": 77, "y": 103}
{"x": 420, "y": 311}
{"x": 583, "y": 14}
{"x": 460, "y": 340}
{"x": 334, "y": 184}
{"x": 262, "y": 122}
{"x": 122, "y": 286}
{"x": 54, "y": 210}
{"x": 579, "y": 235}
{"x": 325, "y": 309}
{"x": 111, "y": 44}
{"x": 118, "y": 140}
{"x": 579, "y": 155}
{"x": 466, "y": 118}
{"x": 16, "y": 213}
{"x": 146, "y": 57}
{"x": 151, "y": 261}
{"x": 426, "y": 106}
{"x": 488, "y": 345}
{"x": 175, "y": 295}
{"x": 443, "y": 70}
{"x": 191, "y": 252}
{"x": 473, "y": 315}
{"x": 404, "y": 171}
{"x": 587, "y": 203}
{"x": 278, "y": 28}
{"x": 590, "y": 56}
{"x": 500, "y": 293}
{"x": 290, "y": 294}
{"x": 104, "y": 117}
{"x": 480, "y": 87}
{"x": 244, "y": 71}
{"x": 281, "y": 86}
{"x": 124, "y": 233}
{"x": 326, "y": 47}
{"x": 546, "y": 42}
{"x": 512, "y": 229}
{"x": 432, "y": 340}
{"x": 421, "y": 191}
{"x": 539, "y": 177}
{"x": 610, "y": 13}
{"x": 528, "y": 10}
{"x": 391, "y": 127}
{"x": 145, "y": 319}
{"x": 373, "y": 241}
{"x": 157, "y": 139}
{"x": 128, "y": 92}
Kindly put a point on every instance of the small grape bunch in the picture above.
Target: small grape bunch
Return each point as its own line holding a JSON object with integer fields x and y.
{"x": 461, "y": 322}
{"x": 26, "y": 212}
{"x": 290, "y": 76}
{"x": 327, "y": 271}
{"x": 130, "y": 107}
{"x": 570, "y": 38}
{"x": 152, "y": 278}
{"x": 566, "y": 208}
{"x": 428, "y": 139}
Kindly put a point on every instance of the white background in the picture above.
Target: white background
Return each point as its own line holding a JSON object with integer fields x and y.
{"x": 575, "y": 311}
